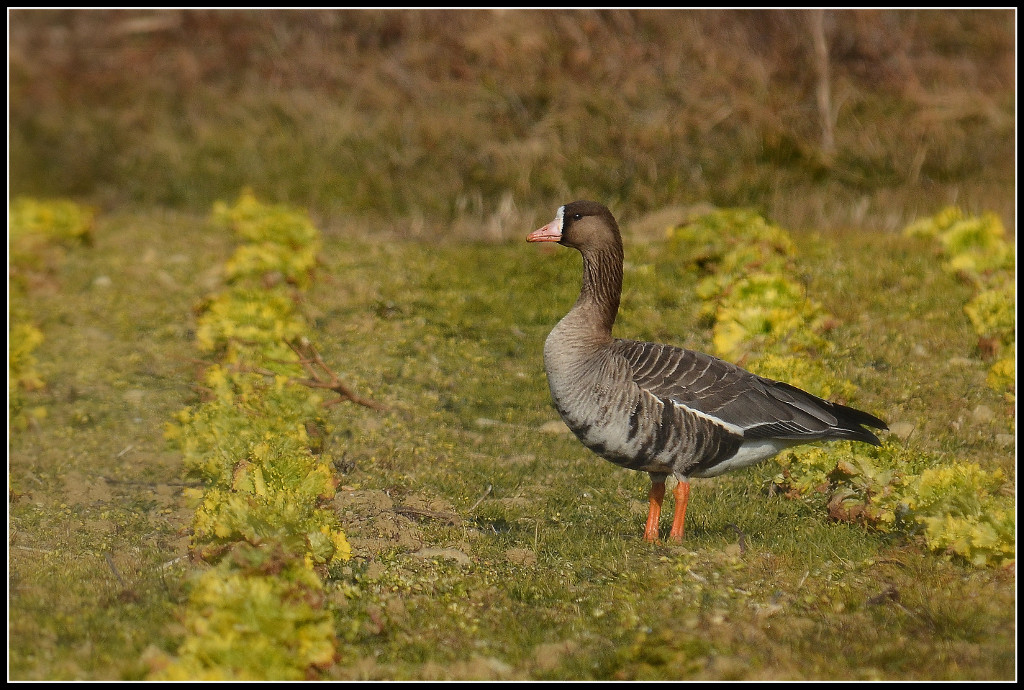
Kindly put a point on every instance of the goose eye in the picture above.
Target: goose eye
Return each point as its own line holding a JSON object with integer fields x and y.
{"x": 577, "y": 216}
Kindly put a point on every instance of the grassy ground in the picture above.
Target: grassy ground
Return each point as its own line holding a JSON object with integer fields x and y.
{"x": 488, "y": 543}
{"x": 96, "y": 539}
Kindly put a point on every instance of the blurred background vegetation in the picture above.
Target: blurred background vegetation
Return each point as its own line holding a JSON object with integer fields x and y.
{"x": 489, "y": 119}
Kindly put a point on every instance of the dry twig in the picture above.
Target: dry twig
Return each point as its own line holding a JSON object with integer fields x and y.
{"x": 311, "y": 361}
{"x": 113, "y": 569}
{"x": 480, "y": 500}
{"x": 417, "y": 513}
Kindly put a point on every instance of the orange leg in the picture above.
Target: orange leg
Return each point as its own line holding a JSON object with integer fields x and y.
{"x": 682, "y": 497}
{"x": 656, "y": 495}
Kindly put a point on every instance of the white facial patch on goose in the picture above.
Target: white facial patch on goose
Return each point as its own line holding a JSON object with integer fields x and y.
{"x": 560, "y": 217}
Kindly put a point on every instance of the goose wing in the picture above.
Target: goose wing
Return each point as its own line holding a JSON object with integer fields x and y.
{"x": 750, "y": 405}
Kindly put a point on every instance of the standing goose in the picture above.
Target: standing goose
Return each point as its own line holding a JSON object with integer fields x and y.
{"x": 662, "y": 409}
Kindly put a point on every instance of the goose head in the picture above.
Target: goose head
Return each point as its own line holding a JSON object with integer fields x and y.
{"x": 590, "y": 228}
{"x": 583, "y": 225}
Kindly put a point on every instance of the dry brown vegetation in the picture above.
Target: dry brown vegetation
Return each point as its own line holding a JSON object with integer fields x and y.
{"x": 492, "y": 118}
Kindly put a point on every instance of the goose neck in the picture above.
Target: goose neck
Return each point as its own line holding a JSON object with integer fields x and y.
{"x": 602, "y": 286}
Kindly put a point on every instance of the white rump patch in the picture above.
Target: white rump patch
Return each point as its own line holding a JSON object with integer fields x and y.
{"x": 750, "y": 453}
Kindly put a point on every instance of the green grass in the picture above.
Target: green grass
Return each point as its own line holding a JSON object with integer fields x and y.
{"x": 804, "y": 597}
{"x": 538, "y": 570}
{"x": 94, "y": 479}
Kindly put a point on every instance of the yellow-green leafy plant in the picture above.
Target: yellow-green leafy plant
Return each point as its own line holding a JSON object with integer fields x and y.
{"x": 22, "y": 375}
{"x": 1002, "y": 376}
{"x": 964, "y": 512}
{"x": 977, "y": 245}
{"x": 256, "y": 223}
{"x": 993, "y": 314}
{"x": 266, "y": 487}
{"x": 854, "y": 482}
{"x": 265, "y": 620}
{"x": 934, "y": 226}
{"x": 802, "y": 371}
{"x": 243, "y": 317}
{"x": 767, "y": 311}
{"x": 762, "y": 318}
{"x": 35, "y": 228}
{"x": 52, "y": 218}
{"x": 728, "y": 245}
{"x": 976, "y": 248}
{"x": 270, "y": 262}
{"x": 957, "y": 508}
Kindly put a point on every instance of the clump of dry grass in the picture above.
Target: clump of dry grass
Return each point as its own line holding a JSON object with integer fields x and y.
{"x": 478, "y": 115}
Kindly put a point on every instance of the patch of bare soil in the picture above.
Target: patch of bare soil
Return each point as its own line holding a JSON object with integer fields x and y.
{"x": 376, "y": 524}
